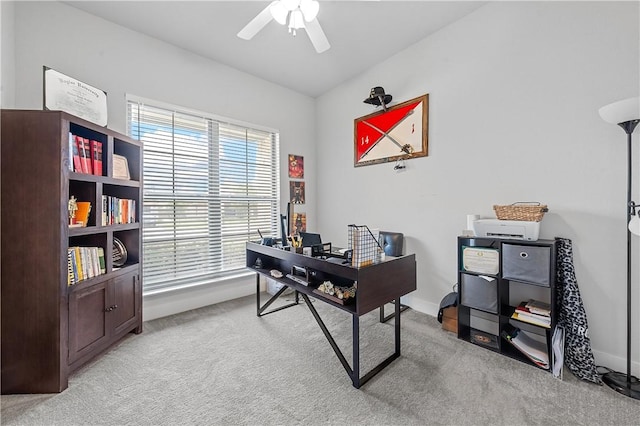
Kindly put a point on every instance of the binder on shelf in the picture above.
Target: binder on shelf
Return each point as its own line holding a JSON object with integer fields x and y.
{"x": 96, "y": 157}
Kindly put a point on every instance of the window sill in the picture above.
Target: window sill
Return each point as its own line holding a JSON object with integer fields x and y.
{"x": 197, "y": 284}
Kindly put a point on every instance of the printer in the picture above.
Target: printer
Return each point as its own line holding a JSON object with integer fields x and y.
{"x": 512, "y": 229}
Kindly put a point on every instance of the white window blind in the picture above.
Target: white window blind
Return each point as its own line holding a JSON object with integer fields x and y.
{"x": 208, "y": 186}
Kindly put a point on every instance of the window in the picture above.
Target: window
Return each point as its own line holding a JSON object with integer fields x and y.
{"x": 209, "y": 185}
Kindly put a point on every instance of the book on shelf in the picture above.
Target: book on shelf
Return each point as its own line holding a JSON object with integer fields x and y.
{"x": 533, "y": 349}
{"x": 103, "y": 269}
{"x": 539, "y": 308}
{"x": 71, "y": 279}
{"x": 81, "y": 154}
{"x": 78, "y": 261}
{"x": 117, "y": 211}
{"x": 96, "y": 157}
{"x": 523, "y": 313}
{"x": 84, "y": 263}
{"x": 531, "y": 320}
{"x": 75, "y": 154}
{"x": 87, "y": 153}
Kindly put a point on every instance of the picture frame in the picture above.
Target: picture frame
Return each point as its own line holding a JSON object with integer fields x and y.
{"x": 64, "y": 93}
{"x": 399, "y": 133}
{"x": 296, "y": 166}
{"x": 296, "y": 192}
{"x": 120, "y": 167}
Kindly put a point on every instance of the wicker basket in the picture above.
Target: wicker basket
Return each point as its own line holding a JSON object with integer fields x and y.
{"x": 532, "y": 212}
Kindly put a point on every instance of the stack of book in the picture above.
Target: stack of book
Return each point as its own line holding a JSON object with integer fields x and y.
{"x": 86, "y": 154}
{"x": 84, "y": 263}
{"x": 534, "y": 312}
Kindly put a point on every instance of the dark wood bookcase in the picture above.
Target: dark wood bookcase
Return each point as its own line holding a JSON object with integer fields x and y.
{"x": 49, "y": 329}
{"x": 486, "y": 301}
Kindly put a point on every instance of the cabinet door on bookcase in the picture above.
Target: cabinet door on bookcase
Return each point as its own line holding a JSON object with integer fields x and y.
{"x": 125, "y": 303}
{"x": 87, "y": 322}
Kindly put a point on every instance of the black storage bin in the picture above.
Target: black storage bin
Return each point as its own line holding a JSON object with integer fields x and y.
{"x": 484, "y": 339}
{"x": 528, "y": 264}
{"x": 479, "y": 293}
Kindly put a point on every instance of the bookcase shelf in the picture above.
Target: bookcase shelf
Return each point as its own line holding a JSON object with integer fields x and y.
{"x": 50, "y": 329}
{"x": 487, "y": 301}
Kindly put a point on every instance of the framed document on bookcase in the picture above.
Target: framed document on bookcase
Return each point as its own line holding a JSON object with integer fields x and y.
{"x": 120, "y": 167}
{"x": 67, "y": 94}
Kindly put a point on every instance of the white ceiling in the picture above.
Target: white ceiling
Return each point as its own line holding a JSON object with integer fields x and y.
{"x": 361, "y": 33}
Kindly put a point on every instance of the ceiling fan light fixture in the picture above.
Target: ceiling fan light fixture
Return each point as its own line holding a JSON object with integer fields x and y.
{"x": 279, "y": 12}
{"x": 309, "y": 9}
{"x": 296, "y": 21}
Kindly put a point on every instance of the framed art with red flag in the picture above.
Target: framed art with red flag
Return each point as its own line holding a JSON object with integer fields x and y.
{"x": 400, "y": 132}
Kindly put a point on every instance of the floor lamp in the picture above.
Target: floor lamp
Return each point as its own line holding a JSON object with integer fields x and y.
{"x": 626, "y": 114}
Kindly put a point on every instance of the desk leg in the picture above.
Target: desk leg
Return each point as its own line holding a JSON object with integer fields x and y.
{"x": 355, "y": 374}
{"x": 397, "y": 320}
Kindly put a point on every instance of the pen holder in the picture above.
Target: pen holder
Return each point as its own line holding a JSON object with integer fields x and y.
{"x": 298, "y": 250}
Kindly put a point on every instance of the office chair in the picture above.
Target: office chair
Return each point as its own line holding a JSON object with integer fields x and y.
{"x": 392, "y": 244}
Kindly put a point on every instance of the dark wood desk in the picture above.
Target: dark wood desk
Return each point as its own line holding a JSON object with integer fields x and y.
{"x": 377, "y": 284}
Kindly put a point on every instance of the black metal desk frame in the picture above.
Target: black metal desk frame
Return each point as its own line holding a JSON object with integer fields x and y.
{"x": 405, "y": 266}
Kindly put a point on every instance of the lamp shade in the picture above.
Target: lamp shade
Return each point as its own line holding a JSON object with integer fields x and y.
{"x": 621, "y": 111}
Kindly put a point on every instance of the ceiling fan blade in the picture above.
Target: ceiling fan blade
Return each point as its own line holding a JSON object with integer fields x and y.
{"x": 256, "y": 24}
{"x": 317, "y": 37}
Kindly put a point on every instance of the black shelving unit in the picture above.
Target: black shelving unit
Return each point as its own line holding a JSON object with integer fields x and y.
{"x": 488, "y": 298}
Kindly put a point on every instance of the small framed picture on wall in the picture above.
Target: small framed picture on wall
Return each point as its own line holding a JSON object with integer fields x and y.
{"x": 299, "y": 222}
{"x": 296, "y": 192}
{"x": 296, "y": 166}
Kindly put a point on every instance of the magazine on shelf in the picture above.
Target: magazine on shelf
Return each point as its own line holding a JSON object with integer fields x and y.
{"x": 534, "y": 350}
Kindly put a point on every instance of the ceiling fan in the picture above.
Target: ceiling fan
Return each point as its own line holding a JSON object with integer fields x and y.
{"x": 296, "y": 14}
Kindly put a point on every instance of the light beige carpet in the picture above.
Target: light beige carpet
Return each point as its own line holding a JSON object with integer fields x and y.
{"x": 222, "y": 365}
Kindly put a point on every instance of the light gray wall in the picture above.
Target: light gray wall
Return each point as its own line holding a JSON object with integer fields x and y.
{"x": 121, "y": 61}
{"x": 7, "y": 55}
{"x": 514, "y": 93}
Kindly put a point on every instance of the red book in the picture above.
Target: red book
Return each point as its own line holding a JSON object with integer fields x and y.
{"x": 87, "y": 152}
{"x": 82, "y": 154}
{"x": 96, "y": 157}
{"x": 77, "y": 164}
